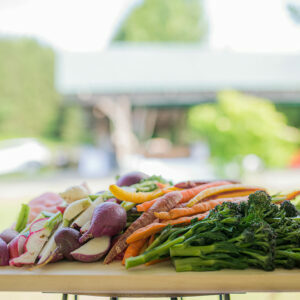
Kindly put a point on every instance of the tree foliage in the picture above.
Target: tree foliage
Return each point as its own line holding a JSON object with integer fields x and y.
{"x": 164, "y": 20}
{"x": 29, "y": 102}
{"x": 240, "y": 124}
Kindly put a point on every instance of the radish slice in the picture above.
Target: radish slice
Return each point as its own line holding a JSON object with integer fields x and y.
{"x": 16, "y": 246}
{"x": 37, "y": 225}
{"x": 93, "y": 250}
{"x": 33, "y": 245}
{"x": 48, "y": 248}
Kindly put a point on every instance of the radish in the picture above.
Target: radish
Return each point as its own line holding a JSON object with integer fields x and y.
{"x": 16, "y": 246}
{"x": 8, "y": 235}
{"x": 4, "y": 255}
{"x": 75, "y": 208}
{"x": 35, "y": 242}
{"x": 108, "y": 219}
{"x": 32, "y": 247}
{"x": 87, "y": 214}
{"x": 93, "y": 250}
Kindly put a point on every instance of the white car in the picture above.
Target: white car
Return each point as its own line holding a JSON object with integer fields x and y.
{"x": 22, "y": 155}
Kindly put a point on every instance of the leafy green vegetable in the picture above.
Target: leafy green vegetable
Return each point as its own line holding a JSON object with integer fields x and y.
{"x": 256, "y": 234}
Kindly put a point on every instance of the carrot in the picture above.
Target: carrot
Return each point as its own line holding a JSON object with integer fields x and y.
{"x": 190, "y": 193}
{"x": 187, "y": 194}
{"x": 212, "y": 191}
{"x": 232, "y": 194}
{"x": 133, "y": 249}
{"x": 145, "y": 232}
{"x": 292, "y": 195}
{"x": 196, "y": 209}
{"x": 164, "y": 203}
{"x": 134, "y": 197}
{"x": 151, "y": 240}
{"x": 156, "y": 261}
{"x": 184, "y": 220}
{"x": 161, "y": 185}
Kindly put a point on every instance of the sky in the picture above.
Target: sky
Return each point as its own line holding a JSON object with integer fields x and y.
{"x": 88, "y": 25}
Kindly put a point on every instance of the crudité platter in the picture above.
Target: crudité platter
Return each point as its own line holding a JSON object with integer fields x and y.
{"x": 145, "y": 235}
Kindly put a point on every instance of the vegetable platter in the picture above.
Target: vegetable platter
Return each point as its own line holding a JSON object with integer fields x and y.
{"x": 147, "y": 226}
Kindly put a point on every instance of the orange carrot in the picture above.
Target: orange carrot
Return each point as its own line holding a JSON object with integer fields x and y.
{"x": 212, "y": 191}
{"x": 292, "y": 195}
{"x": 196, "y": 209}
{"x": 187, "y": 194}
{"x": 184, "y": 220}
{"x": 145, "y": 206}
{"x": 145, "y": 232}
{"x": 151, "y": 240}
{"x": 232, "y": 194}
{"x": 161, "y": 185}
{"x": 156, "y": 261}
{"x": 190, "y": 193}
{"x": 133, "y": 249}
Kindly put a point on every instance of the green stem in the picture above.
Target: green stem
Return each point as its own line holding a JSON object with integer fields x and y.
{"x": 150, "y": 255}
{"x": 54, "y": 221}
{"x": 22, "y": 218}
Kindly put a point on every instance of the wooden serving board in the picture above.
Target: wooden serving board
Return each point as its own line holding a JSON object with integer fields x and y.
{"x": 156, "y": 280}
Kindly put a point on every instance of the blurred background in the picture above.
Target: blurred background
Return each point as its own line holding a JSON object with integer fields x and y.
{"x": 186, "y": 89}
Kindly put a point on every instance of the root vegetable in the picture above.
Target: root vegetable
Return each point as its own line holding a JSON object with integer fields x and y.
{"x": 4, "y": 254}
{"x": 108, "y": 219}
{"x": 86, "y": 216}
{"x": 75, "y": 208}
{"x": 8, "y": 235}
{"x": 75, "y": 193}
{"x": 131, "y": 178}
{"x": 93, "y": 250}
{"x": 66, "y": 240}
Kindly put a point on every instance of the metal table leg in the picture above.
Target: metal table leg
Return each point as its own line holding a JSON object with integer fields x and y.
{"x": 224, "y": 296}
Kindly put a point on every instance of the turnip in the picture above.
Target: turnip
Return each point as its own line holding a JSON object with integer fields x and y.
{"x": 85, "y": 227}
{"x": 76, "y": 192}
{"x": 47, "y": 250}
{"x": 8, "y": 235}
{"x": 4, "y": 255}
{"x": 131, "y": 178}
{"x": 93, "y": 250}
{"x": 86, "y": 216}
{"x": 76, "y": 208}
{"x": 108, "y": 219}
{"x": 66, "y": 240}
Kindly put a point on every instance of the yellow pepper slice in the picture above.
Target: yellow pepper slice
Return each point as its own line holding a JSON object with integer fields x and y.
{"x": 135, "y": 197}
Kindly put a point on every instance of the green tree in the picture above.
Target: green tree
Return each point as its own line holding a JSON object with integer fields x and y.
{"x": 73, "y": 125}
{"x": 28, "y": 100}
{"x": 164, "y": 20}
{"x": 240, "y": 124}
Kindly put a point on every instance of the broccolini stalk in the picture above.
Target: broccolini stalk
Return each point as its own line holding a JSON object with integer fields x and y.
{"x": 181, "y": 250}
{"x": 198, "y": 264}
{"x": 162, "y": 237}
{"x": 161, "y": 250}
